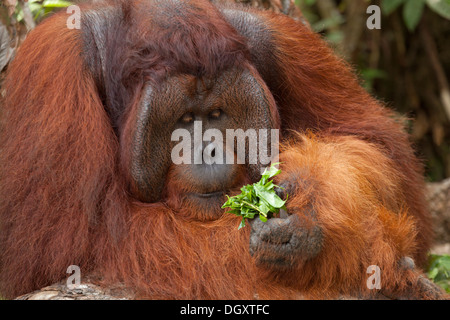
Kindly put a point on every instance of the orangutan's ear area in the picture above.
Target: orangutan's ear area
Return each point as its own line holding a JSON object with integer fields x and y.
{"x": 88, "y": 176}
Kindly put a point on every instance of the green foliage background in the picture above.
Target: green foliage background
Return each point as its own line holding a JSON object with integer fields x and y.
{"x": 406, "y": 64}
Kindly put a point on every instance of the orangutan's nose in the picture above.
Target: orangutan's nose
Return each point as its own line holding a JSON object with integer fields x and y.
{"x": 213, "y": 167}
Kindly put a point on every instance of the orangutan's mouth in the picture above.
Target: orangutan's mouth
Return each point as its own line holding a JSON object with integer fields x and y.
{"x": 208, "y": 195}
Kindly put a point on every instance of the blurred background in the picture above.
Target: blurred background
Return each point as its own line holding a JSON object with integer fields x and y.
{"x": 405, "y": 64}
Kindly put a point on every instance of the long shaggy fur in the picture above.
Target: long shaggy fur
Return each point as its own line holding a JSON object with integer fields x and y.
{"x": 64, "y": 197}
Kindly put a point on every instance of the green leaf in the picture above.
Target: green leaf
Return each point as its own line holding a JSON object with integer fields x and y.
{"x": 441, "y": 7}
{"x": 270, "y": 197}
{"x": 272, "y": 171}
{"x": 433, "y": 273}
{"x": 265, "y": 209}
{"x": 389, "y": 6}
{"x": 269, "y": 185}
{"x": 56, "y": 4}
{"x": 412, "y": 13}
{"x": 252, "y": 206}
{"x": 439, "y": 270}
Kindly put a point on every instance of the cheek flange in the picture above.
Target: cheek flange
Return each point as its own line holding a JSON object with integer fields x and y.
{"x": 149, "y": 152}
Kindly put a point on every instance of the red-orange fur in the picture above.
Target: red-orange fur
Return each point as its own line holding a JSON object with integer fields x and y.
{"x": 337, "y": 105}
{"x": 64, "y": 200}
{"x": 344, "y": 181}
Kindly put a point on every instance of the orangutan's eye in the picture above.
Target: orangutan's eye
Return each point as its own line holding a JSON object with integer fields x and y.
{"x": 187, "y": 118}
{"x": 215, "y": 114}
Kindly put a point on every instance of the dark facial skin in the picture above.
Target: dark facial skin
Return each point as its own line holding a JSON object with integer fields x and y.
{"x": 234, "y": 100}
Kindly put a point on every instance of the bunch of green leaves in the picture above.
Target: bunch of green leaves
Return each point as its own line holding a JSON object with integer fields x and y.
{"x": 257, "y": 199}
{"x": 439, "y": 271}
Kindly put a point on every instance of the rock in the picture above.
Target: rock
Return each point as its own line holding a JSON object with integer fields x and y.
{"x": 45, "y": 295}
{"x": 438, "y": 196}
{"x": 441, "y": 249}
{"x": 85, "y": 291}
